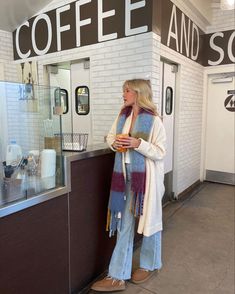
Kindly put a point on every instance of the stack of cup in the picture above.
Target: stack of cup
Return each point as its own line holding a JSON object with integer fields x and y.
{"x": 48, "y": 168}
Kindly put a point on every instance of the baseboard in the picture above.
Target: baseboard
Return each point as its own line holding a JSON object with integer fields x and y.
{"x": 220, "y": 177}
{"x": 187, "y": 192}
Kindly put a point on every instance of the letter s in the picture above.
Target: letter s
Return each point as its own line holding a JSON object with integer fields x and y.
{"x": 216, "y": 48}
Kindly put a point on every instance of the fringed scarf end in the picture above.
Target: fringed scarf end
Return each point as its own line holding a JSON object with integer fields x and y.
{"x": 108, "y": 220}
{"x": 113, "y": 222}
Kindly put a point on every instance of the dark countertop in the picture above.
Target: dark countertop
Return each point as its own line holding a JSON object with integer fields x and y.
{"x": 69, "y": 156}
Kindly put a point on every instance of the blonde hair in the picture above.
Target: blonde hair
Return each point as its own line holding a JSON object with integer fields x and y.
{"x": 144, "y": 94}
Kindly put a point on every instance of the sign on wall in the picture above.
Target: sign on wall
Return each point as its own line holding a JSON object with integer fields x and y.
{"x": 81, "y": 23}
{"x": 219, "y": 48}
{"x": 180, "y": 33}
{"x": 229, "y": 102}
{"x": 86, "y": 22}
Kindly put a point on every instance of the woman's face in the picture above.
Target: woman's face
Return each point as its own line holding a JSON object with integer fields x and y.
{"x": 129, "y": 96}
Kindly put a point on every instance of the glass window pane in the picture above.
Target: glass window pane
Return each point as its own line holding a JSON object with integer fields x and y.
{"x": 82, "y": 100}
{"x": 64, "y": 100}
{"x": 169, "y": 100}
{"x": 61, "y": 99}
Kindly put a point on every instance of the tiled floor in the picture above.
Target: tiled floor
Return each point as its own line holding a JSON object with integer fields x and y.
{"x": 198, "y": 245}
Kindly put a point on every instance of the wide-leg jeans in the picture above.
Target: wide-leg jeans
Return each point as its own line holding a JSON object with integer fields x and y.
{"x": 120, "y": 266}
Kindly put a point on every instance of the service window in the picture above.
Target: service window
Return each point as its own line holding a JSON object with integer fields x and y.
{"x": 82, "y": 100}
{"x": 169, "y": 100}
{"x": 61, "y": 99}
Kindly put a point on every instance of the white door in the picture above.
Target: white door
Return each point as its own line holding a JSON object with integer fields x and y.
{"x": 80, "y": 93}
{"x": 220, "y": 151}
{"x": 167, "y": 110}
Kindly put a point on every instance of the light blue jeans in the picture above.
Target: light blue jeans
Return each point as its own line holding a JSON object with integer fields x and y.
{"x": 150, "y": 253}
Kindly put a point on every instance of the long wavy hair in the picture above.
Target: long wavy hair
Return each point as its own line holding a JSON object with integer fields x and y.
{"x": 144, "y": 94}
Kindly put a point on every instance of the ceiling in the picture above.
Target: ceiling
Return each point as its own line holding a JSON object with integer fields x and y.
{"x": 15, "y": 12}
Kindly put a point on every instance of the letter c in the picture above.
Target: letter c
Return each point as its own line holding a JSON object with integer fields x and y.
{"x": 230, "y": 43}
{"x": 21, "y": 55}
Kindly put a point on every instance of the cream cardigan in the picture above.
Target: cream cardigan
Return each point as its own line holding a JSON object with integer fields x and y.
{"x": 154, "y": 151}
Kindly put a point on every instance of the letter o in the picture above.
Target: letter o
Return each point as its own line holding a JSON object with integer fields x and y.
{"x": 49, "y": 29}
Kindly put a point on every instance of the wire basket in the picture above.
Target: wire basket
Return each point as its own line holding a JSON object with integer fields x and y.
{"x": 74, "y": 141}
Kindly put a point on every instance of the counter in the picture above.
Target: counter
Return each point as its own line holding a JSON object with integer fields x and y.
{"x": 93, "y": 150}
{"x": 56, "y": 242}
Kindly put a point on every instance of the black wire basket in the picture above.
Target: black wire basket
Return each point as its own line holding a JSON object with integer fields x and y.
{"x": 74, "y": 142}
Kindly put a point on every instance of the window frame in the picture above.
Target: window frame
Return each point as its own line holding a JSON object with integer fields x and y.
{"x": 166, "y": 100}
{"x": 88, "y": 100}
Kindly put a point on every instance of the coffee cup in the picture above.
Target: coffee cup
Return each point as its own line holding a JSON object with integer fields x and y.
{"x": 120, "y": 136}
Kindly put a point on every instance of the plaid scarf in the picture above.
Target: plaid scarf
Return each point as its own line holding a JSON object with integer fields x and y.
{"x": 141, "y": 129}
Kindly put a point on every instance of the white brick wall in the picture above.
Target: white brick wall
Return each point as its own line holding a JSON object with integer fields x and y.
{"x": 188, "y": 120}
{"x": 6, "y": 56}
{"x": 155, "y": 73}
{"x": 111, "y": 63}
{"x": 9, "y": 74}
{"x": 15, "y": 123}
{"x": 222, "y": 20}
{"x": 190, "y": 125}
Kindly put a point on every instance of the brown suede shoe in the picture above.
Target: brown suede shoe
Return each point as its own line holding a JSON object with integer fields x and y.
{"x": 141, "y": 275}
{"x": 109, "y": 284}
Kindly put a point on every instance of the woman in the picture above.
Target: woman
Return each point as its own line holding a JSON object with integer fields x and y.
{"x": 137, "y": 187}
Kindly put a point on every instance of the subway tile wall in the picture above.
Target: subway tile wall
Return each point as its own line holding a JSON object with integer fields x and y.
{"x": 222, "y": 20}
{"x": 7, "y": 114}
{"x": 111, "y": 63}
{"x": 188, "y": 120}
{"x": 16, "y": 123}
{"x": 6, "y": 56}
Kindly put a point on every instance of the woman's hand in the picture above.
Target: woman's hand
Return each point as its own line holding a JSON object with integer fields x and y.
{"x": 116, "y": 144}
{"x": 126, "y": 142}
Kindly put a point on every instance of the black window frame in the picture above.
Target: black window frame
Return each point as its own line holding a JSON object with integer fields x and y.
{"x": 167, "y": 100}
{"x": 88, "y": 100}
